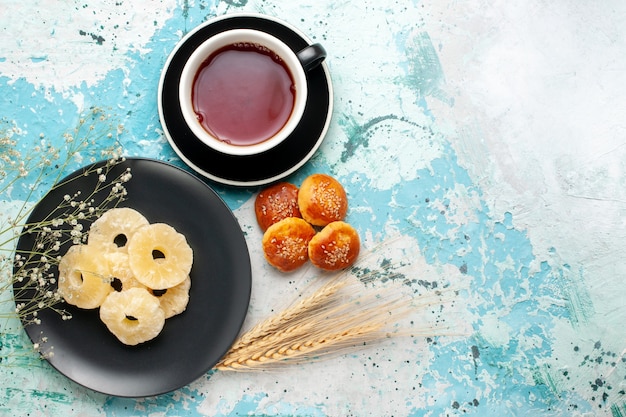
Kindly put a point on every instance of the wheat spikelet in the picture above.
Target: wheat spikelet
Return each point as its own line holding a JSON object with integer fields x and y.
{"x": 303, "y": 350}
{"x": 305, "y": 305}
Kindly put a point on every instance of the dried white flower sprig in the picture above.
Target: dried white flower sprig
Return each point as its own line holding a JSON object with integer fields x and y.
{"x": 34, "y": 270}
{"x": 28, "y": 278}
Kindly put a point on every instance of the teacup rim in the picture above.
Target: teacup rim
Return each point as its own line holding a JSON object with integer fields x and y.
{"x": 190, "y": 69}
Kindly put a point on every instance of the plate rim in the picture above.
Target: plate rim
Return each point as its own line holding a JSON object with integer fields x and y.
{"x": 204, "y": 172}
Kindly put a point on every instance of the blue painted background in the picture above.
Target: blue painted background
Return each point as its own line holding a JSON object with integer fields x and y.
{"x": 529, "y": 370}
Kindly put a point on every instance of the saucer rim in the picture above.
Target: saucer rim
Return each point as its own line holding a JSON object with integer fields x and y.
{"x": 202, "y": 171}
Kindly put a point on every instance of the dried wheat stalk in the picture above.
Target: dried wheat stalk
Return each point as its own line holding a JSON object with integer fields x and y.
{"x": 340, "y": 315}
{"x": 337, "y": 314}
{"x": 302, "y": 350}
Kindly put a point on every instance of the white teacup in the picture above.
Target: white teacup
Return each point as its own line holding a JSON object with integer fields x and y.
{"x": 244, "y": 91}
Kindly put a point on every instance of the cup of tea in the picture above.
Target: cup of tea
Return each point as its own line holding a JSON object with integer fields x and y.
{"x": 244, "y": 91}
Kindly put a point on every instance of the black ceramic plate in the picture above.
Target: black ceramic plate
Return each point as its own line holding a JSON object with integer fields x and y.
{"x": 190, "y": 343}
{"x": 269, "y": 166}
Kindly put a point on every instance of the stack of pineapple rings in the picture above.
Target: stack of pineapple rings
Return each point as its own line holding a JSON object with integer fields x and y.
{"x": 137, "y": 273}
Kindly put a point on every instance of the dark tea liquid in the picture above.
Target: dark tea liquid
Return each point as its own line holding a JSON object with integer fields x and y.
{"x": 243, "y": 94}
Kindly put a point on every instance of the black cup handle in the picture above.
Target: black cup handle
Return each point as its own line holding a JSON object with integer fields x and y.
{"x": 311, "y": 56}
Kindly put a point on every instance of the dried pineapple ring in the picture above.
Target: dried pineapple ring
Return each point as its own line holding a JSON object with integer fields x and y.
{"x": 83, "y": 277}
{"x": 122, "y": 277}
{"x": 114, "y": 229}
{"x": 134, "y": 316}
{"x": 159, "y": 256}
{"x": 174, "y": 300}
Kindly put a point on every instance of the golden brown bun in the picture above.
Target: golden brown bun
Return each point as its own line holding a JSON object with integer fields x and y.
{"x": 336, "y": 247}
{"x": 285, "y": 243}
{"x": 275, "y": 203}
{"x": 322, "y": 200}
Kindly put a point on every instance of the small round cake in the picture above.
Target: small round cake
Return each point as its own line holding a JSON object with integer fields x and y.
{"x": 322, "y": 200}
{"x": 285, "y": 243}
{"x": 335, "y": 247}
{"x": 275, "y": 203}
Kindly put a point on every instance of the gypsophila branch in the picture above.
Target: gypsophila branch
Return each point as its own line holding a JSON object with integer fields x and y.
{"x": 24, "y": 173}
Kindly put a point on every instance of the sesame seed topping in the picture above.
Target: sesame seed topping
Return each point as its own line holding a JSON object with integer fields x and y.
{"x": 336, "y": 254}
{"x": 329, "y": 199}
{"x": 291, "y": 248}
